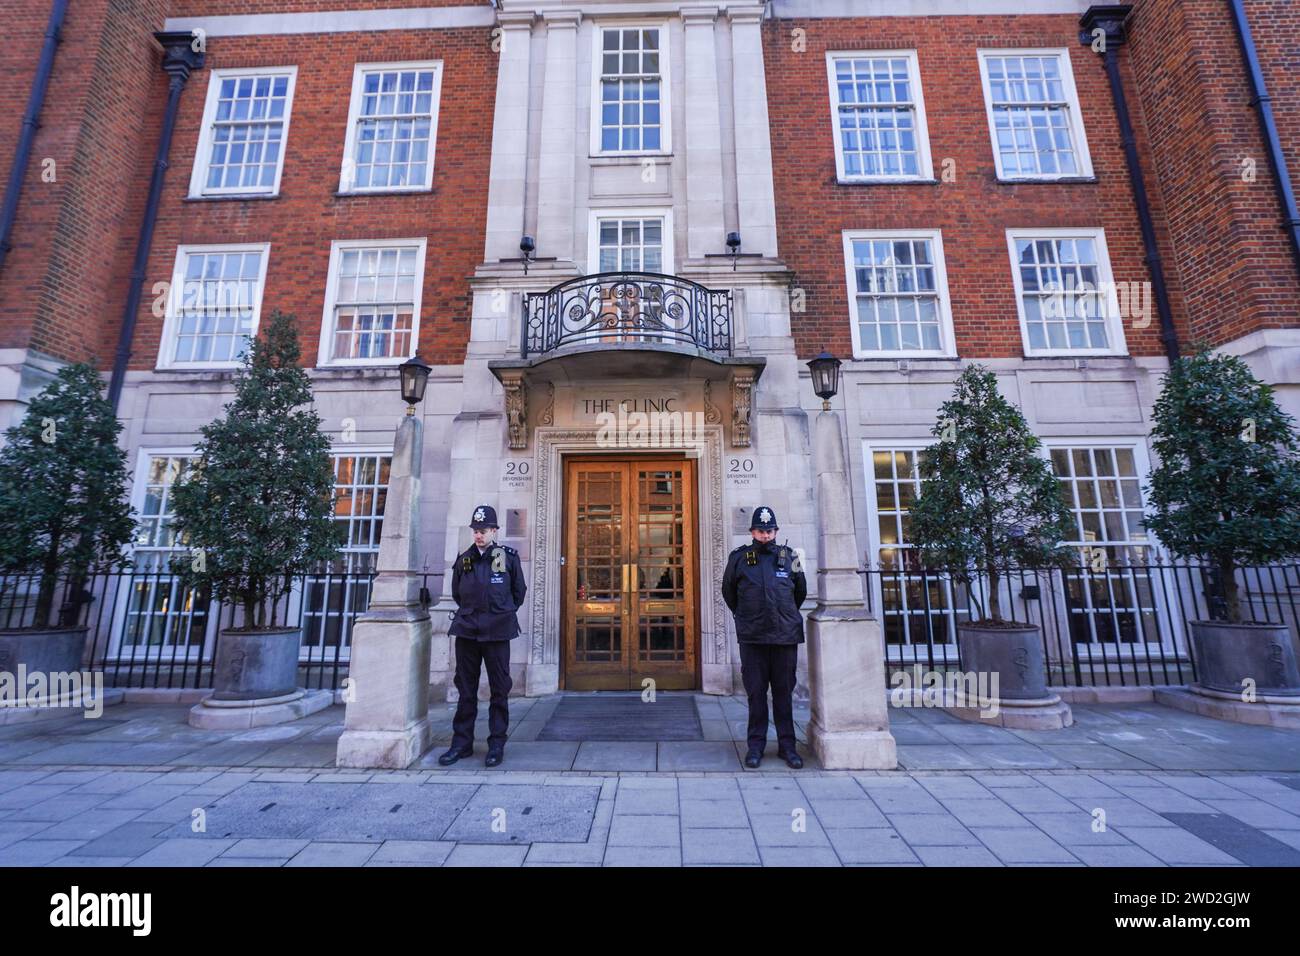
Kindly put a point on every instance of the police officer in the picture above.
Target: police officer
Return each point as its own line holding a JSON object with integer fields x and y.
{"x": 487, "y": 584}
{"x": 764, "y": 587}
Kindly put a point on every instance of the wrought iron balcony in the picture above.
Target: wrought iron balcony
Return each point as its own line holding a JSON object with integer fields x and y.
{"x": 627, "y": 307}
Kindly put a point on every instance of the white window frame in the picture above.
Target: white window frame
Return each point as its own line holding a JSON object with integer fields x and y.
{"x": 1077, "y": 130}
{"x": 593, "y": 232}
{"x": 924, "y": 164}
{"x": 1172, "y": 627}
{"x": 1141, "y": 464}
{"x": 117, "y": 651}
{"x": 203, "y": 153}
{"x": 311, "y": 648}
{"x": 1114, "y": 321}
{"x": 326, "y": 347}
{"x": 171, "y": 321}
{"x": 947, "y": 341}
{"x": 347, "y": 173}
{"x": 911, "y": 651}
{"x": 665, "y": 83}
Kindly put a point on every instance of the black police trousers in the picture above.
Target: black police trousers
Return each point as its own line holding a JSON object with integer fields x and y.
{"x": 761, "y": 666}
{"x": 470, "y": 656}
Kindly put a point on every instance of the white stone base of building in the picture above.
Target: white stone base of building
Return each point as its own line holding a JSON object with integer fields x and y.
{"x": 1280, "y": 712}
{"x": 75, "y": 705}
{"x": 384, "y": 749}
{"x": 210, "y": 714}
{"x": 1047, "y": 713}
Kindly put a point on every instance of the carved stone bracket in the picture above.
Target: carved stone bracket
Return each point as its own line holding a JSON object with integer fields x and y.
{"x": 742, "y": 395}
{"x": 548, "y": 413}
{"x": 711, "y": 414}
{"x": 516, "y": 407}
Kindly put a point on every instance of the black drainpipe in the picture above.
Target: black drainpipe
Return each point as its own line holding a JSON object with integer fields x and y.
{"x": 1285, "y": 192}
{"x": 31, "y": 120}
{"x": 1110, "y": 18}
{"x": 179, "y": 60}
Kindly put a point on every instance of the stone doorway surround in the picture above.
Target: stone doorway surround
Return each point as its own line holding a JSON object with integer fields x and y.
{"x": 541, "y": 618}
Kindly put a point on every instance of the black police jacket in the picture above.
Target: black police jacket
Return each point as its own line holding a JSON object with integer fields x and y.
{"x": 487, "y": 597}
{"x": 764, "y": 591}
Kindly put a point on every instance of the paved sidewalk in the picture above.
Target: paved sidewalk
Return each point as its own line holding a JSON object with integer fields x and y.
{"x": 1129, "y": 785}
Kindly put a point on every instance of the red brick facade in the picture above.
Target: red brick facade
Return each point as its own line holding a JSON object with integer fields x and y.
{"x": 1231, "y": 255}
{"x": 973, "y": 211}
{"x": 61, "y": 286}
{"x": 307, "y": 215}
{"x": 1230, "y": 270}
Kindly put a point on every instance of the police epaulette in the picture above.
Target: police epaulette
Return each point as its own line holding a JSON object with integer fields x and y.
{"x": 751, "y": 557}
{"x": 466, "y": 563}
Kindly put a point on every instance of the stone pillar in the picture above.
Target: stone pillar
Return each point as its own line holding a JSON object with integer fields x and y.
{"x": 386, "y": 723}
{"x": 555, "y": 181}
{"x": 509, "y": 168}
{"x": 849, "y": 729}
{"x": 756, "y": 205}
{"x": 704, "y": 199}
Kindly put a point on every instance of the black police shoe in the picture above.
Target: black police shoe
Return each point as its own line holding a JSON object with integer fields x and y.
{"x": 493, "y": 758}
{"x": 753, "y": 758}
{"x": 792, "y": 759}
{"x": 451, "y": 756}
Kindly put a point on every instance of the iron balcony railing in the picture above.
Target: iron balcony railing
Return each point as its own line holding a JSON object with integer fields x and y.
{"x": 627, "y": 307}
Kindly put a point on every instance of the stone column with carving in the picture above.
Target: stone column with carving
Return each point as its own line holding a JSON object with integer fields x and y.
{"x": 509, "y": 167}
{"x": 556, "y": 173}
{"x": 386, "y": 723}
{"x": 755, "y": 200}
{"x": 849, "y": 729}
{"x": 704, "y": 196}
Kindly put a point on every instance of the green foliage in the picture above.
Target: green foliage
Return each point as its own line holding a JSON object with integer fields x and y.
{"x": 988, "y": 501}
{"x": 63, "y": 506}
{"x": 1227, "y": 487}
{"x": 258, "y": 509}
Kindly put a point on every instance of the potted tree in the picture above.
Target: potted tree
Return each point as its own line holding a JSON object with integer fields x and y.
{"x": 988, "y": 503}
{"x": 1227, "y": 491}
{"x": 63, "y": 513}
{"x": 256, "y": 512}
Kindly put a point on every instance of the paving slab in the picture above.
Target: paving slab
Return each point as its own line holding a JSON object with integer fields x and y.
{"x": 698, "y": 755}
{"x": 324, "y": 853}
{"x": 616, "y": 755}
{"x": 873, "y": 845}
{"x": 501, "y": 814}
{"x": 723, "y": 846}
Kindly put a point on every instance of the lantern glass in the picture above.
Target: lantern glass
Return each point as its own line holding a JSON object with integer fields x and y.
{"x": 825, "y": 370}
{"x": 415, "y": 375}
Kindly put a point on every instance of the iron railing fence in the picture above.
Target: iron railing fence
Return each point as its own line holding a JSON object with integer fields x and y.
{"x": 627, "y": 307}
{"x": 1120, "y": 624}
{"x": 147, "y": 629}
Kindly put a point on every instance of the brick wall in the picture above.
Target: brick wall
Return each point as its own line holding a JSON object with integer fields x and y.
{"x": 1231, "y": 255}
{"x": 56, "y": 289}
{"x": 973, "y": 211}
{"x": 223, "y": 8}
{"x": 307, "y": 216}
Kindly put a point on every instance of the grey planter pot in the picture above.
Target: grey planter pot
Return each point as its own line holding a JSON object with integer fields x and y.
{"x": 254, "y": 664}
{"x": 1227, "y": 654}
{"x": 1014, "y": 654}
{"x": 47, "y": 650}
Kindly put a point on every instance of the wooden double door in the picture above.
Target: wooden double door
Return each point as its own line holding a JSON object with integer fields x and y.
{"x": 630, "y": 608}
